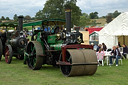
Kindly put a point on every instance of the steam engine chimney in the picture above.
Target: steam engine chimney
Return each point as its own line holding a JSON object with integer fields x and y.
{"x": 68, "y": 18}
{"x": 20, "y": 26}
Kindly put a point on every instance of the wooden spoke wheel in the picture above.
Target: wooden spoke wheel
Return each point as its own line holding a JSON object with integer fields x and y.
{"x": 34, "y": 49}
{"x": 8, "y": 54}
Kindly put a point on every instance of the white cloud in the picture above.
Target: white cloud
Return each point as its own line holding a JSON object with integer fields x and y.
{"x": 20, "y": 7}
{"x": 102, "y": 6}
{"x": 30, "y": 7}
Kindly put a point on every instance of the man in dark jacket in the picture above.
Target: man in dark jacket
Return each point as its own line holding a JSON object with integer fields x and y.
{"x": 115, "y": 54}
{"x": 99, "y": 46}
{"x": 119, "y": 44}
{"x": 125, "y": 51}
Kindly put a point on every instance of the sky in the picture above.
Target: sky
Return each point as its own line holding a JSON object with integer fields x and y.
{"x": 30, "y": 7}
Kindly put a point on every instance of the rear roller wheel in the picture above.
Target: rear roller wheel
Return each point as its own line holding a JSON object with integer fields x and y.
{"x": 75, "y": 56}
{"x": 35, "y": 61}
{"x": 1, "y": 49}
{"x": 8, "y": 54}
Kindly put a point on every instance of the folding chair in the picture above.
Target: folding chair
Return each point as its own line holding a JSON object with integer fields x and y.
{"x": 100, "y": 57}
{"x": 120, "y": 61}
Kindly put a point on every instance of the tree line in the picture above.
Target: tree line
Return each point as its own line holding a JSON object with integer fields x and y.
{"x": 15, "y": 18}
{"x": 56, "y": 9}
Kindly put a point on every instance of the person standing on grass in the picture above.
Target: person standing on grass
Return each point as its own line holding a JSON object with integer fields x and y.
{"x": 104, "y": 47}
{"x": 99, "y": 46}
{"x": 115, "y": 54}
{"x": 125, "y": 50}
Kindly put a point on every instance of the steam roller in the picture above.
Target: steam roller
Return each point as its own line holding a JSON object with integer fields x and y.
{"x": 80, "y": 62}
{"x": 76, "y": 62}
{"x": 60, "y": 48}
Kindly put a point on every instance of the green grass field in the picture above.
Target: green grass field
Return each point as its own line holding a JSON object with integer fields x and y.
{"x": 17, "y": 73}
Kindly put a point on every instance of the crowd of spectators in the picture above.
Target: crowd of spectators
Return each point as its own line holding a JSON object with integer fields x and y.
{"x": 117, "y": 52}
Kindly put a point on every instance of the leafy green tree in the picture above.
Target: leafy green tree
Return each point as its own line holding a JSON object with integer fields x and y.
{"x": 39, "y": 15}
{"x": 84, "y": 20}
{"x": 56, "y": 9}
{"x": 94, "y": 15}
{"x": 2, "y": 18}
{"x": 7, "y": 18}
{"x": 27, "y": 17}
{"x": 116, "y": 13}
{"x": 109, "y": 18}
{"x": 72, "y": 1}
{"x": 15, "y": 17}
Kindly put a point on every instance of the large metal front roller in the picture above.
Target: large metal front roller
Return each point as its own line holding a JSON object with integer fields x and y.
{"x": 34, "y": 50}
{"x": 83, "y": 62}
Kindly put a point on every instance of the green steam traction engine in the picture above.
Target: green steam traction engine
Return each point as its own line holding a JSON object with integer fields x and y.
{"x": 60, "y": 47}
{"x": 13, "y": 43}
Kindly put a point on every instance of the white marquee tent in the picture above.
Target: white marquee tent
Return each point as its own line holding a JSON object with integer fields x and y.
{"x": 113, "y": 32}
